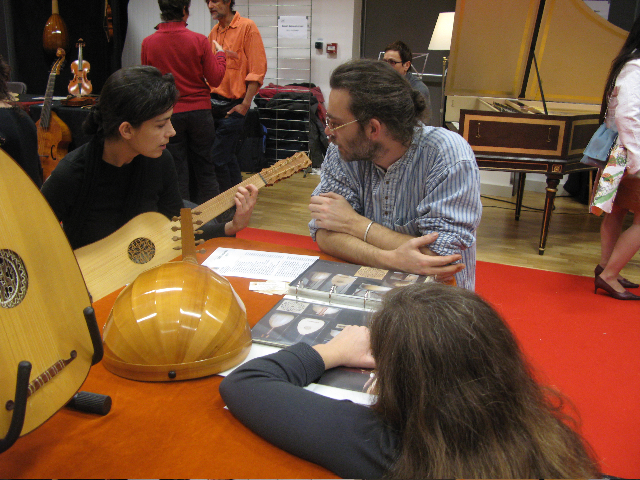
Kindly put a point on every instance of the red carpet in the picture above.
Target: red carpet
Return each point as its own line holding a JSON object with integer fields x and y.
{"x": 288, "y": 239}
{"x": 585, "y": 345}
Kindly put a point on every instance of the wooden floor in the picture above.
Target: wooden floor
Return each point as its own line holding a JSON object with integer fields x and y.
{"x": 573, "y": 244}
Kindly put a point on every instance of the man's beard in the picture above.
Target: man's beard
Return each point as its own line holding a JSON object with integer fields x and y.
{"x": 362, "y": 149}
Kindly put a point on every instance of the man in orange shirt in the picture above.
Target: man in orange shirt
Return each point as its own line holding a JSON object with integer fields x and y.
{"x": 246, "y": 68}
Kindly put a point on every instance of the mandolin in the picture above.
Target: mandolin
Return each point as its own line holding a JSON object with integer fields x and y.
{"x": 80, "y": 85}
{"x": 148, "y": 239}
{"x": 55, "y": 34}
{"x": 42, "y": 298}
{"x": 54, "y": 135}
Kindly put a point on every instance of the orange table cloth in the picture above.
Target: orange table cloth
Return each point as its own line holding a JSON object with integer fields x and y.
{"x": 158, "y": 430}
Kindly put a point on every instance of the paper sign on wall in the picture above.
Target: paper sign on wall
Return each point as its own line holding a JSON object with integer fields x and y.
{"x": 292, "y": 27}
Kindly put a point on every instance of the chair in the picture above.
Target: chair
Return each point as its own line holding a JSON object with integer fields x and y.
{"x": 17, "y": 87}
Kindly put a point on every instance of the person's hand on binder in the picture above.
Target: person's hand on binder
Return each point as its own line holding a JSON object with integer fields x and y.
{"x": 350, "y": 348}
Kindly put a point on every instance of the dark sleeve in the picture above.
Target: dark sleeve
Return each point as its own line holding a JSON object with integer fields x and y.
{"x": 266, "y": 395}
{"x": 62, "y": 187}
{"x": 30, "y": 161}
{"x": 169, "y": 200}
{"x": 211, "y": 230}
{"x": 19, "y": 139}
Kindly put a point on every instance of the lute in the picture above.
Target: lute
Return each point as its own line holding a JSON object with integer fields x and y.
{"x": 55, "y": 34}
{"x": 42, "y": 300}
{"x": 54, "y": 135}
{"x": 149, "y": 239}
{"x": 176, "y": 321}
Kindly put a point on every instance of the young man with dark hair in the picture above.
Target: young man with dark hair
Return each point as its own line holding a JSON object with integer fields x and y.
{"x": 399, "y": 56}
{"x": 394, "y": 193}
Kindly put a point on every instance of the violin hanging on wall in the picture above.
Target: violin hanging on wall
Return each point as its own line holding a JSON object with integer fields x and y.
{"x": 80, "y": 85}
{"x": 107, "y": 22}
{"x": 55, "y": 32}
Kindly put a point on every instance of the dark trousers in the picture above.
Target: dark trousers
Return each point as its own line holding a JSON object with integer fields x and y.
{"x": 191, "y": 150}
{"x": 228, "y": 131}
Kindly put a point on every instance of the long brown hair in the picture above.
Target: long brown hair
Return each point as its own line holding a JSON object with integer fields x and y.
{"x": 451, "y": 380}
{"x": 629, "y": 51}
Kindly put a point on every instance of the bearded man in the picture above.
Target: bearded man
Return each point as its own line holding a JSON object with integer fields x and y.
{"x": 394, "y": 193}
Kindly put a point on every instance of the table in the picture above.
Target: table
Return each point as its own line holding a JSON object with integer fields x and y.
{"x": 554, "y": 169}
{"x": 158, "y": 430}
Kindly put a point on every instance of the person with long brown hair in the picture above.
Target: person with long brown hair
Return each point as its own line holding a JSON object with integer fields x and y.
{"x": 618, "y": 185}
{"x": 455, "y": 397}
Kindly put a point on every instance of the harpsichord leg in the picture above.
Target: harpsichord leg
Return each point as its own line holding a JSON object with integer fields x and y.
{"x": 552, "y": 188}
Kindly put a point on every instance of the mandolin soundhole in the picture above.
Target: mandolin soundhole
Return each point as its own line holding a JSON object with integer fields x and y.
{"x": 13, "y": 279}
{"x": 141, "y": 250}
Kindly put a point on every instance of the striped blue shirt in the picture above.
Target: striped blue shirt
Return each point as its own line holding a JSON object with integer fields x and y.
{"x": 433, "y": 187}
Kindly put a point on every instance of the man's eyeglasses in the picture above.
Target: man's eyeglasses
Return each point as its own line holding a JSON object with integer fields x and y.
{"x": 332, "y": 126}
{"x": 391, "y": 61}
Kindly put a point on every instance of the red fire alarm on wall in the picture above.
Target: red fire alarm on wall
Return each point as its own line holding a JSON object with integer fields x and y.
{"x": 332, "y": 48}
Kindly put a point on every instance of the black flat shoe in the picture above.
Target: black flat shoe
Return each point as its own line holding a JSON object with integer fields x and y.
{"x": 600, "y": 283}
{"x": 622, "y": 281}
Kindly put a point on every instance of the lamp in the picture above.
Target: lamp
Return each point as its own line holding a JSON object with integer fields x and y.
{"x": 441, "y": 40}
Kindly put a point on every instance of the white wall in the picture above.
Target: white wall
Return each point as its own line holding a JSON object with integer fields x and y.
{"x": 335, "y": 21}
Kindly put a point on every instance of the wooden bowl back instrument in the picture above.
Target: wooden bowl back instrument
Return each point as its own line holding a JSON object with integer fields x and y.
{"x": 176, "y": 321}
{"x": 42, "y": 298}
{"x": 55, "y": 34}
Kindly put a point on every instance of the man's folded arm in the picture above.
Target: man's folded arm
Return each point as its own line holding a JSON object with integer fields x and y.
{"x": 406, "y": 257}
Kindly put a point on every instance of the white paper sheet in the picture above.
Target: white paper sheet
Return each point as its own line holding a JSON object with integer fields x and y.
{"x": 234, "y": 262}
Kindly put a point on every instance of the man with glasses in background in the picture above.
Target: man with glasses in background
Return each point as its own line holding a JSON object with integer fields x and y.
{"x": 399, "y": 56}
{"x": 394, "y": 193}
{"x": 231, "y": 100}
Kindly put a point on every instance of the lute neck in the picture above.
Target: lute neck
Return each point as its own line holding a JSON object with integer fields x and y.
{"x": 48, "y": 100}
{"x": 223, "y": 202}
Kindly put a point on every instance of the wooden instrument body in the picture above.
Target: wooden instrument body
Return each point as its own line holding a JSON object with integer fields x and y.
{"x": 53, "y": 143}
{"x": 147, "y": 240}
{"x": 107, "y": 22}
{"x": 179, "y": 317}
{"x": 42, "y": 297}
{"x": 80, "y": 85}
{"x": 55, "y": 34}
{"x": 522, "y": 134}
{"x": 142, "y": 243}
{"x": 53, "y": 134}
